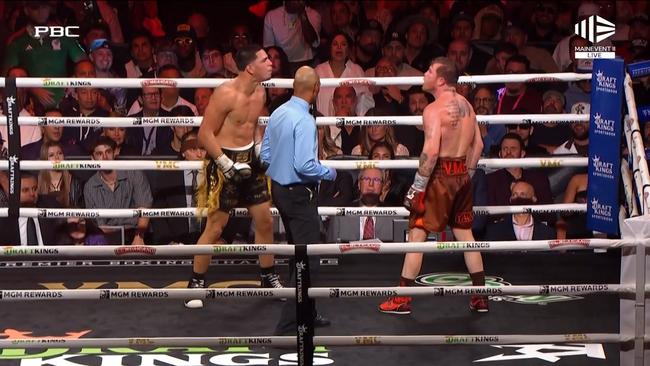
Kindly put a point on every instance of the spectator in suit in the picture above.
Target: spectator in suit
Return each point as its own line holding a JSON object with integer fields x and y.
{"x": 498, "y": 182}
{"x": 350, "y": 228}
{"x": 146, "y": 139}
{"x": 31, "y": 231}
{"x": 59, "y": 184}
{"x": 522, "y": 226}
{"x": 50, "y": 133}
{"x": 177, "y": 188}
{"x": 345, "y": 102}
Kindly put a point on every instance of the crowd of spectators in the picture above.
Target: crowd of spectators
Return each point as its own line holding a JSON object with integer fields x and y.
{"x": 340, "y": 39}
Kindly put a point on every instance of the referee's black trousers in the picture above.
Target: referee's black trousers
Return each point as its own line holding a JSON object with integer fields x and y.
{"x": 298, "y": 208}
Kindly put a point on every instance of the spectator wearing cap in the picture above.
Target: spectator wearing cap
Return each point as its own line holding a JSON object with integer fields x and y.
{"x": 367, "y": 50}
{"x": 542, "y": 30}
{"x": 518, "y": 95}
{"x": 94, "y": 32}
{"x": 101, "y": 54}
{"x": 295, "y": 28}
{"x": 462, "y": 28}
{"x": 212, "y": 58}
{"x": 550, "y": 135}
{"x": 579, "y": 92}
{"x": 340, "y": 65}
{"x": 563, "y": 50}
{"x": 540, "y": 59}
{"x": 394, "y": 45}
{"x": 420, "y": 49}
{"x": 189, "y": 60}
{"x": 239, "y": 37}
{"x": 484, "y": 102}
{"x": 174, "y": 146}
{"x": 41, "y": 56}
{"x": 502, "y": 52}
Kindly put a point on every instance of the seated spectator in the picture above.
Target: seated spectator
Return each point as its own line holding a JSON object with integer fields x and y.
{"x": 201, "y": 99}
{"x": 370, "y": 135}
{"x": 142, "y": 63}
{"x": 502, "y": 52}
{"x": 339, "y": 192}
{"x": 518, "y": 95}
{"x": 484, "y": 102}
{"x": 498, "y": 182}
{"x": 29, "y": 107}
{"x": 574, "y": 225}
{"x": 169, "y": 96}
{"x": 41, "y": 58}
{"x": 174, "y": 146}
{"x": 341, "y": 21}
{"x": 81, "y": 231}
{"x": 69, "y": 105}
{"x": 367, "y": 51}
{"x": 460, "y": 51}
{"x": 294, "y": 27}
{"x": 543, "y": 29}
{"x": 50, "y": 133}
{"x": 540, "y": 59}
{"x": 489, "y": 25}
{"x": 88, "y": 107}
{"x": 420, "y": 48}
{"x": 413, "y": 136}
{"x": 278, "y": 96}
{"x": 60, "y": 184}
{"x": 345, "y": 101}
{"x": 395, "y": 184}
{"x": 551, "y": 135}
{"x": 118, "y": 189}
{"x": 340, "y": 65}
{"x": 118, "y": 135}
{"x": 32, "y": 231}
{"x": 146, "y": 139}
{"x": 166, "y": 53}
{"x": 579, "y": 92}
{"x": 525, "y": 130}
{"x": 521, "y": 226}
{"x": 239, "y": 37}
{"x": 388, "y": 98}
{"x": 189, "y": 60}
{"x": 578, "y": 143}
{"x": 177, "y": 188}
{"x": 462, "y": 29}
{"x": 393, "y": 49}
{"x": 101, "y": 54}
{"x": 212, "y": 59}
{"x": 354, "y": 228}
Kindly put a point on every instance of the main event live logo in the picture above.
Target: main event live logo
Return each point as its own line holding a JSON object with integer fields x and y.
{"x": 595, "y": 29}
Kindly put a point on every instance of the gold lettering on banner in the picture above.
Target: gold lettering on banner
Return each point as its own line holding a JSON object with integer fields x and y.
{"x": 140, "y": 341}
{"x": 166, "y": 164}
{"x": 367, "y": 340}
{"x": 366, "y": 165}
{"x": 576, "y": 337}
{"x": 554, "y": 163}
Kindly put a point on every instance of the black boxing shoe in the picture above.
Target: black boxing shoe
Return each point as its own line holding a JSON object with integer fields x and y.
{"x": 195, "y": 282}
{"x": 272, "y": 280}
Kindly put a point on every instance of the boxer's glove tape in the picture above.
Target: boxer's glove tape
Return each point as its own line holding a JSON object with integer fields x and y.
{"x": 414, "y": 200}
{"x": 232, "y": 170}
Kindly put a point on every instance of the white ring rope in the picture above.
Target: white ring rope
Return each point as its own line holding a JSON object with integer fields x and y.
{"x": 550, "y": 162}
{"x": 289, "y": 341}
{"x": 36, "y": 82}
{"x": 150, "y": 251}
{"x": 314, "y": 292}
{"x": 127, "y": 122}
{"x": 396, "y": 211}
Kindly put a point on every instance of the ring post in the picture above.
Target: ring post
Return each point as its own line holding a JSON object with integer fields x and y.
{"x": 304, "y": 308}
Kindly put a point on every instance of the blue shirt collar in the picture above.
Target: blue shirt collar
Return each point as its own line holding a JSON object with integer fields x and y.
{"x": 301, "y": 102}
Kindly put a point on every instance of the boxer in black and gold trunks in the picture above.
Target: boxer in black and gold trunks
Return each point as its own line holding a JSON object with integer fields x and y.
{"x": 233, "y": 178}
{"x": 441, "y": 193}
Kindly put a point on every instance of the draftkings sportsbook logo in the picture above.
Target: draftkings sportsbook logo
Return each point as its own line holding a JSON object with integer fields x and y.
{"x": 463, "y": 279}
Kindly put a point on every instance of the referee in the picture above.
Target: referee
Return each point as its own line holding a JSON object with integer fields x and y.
{"x": 290, "y": 149}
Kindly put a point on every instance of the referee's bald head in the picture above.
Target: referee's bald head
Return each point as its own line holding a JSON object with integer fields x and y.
{"x": 306, "y": 84}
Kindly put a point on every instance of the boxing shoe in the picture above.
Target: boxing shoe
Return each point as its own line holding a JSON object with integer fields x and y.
{"x": 396, "y": 305}
{"x": 479, "y": 304}
{"x": 195, "y": 303}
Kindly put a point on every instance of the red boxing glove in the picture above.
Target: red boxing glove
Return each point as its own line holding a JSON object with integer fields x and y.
{"x": 414, "y": 200}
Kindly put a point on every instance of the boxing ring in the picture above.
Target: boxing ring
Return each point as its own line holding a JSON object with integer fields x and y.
{"x": 636, "y": 182}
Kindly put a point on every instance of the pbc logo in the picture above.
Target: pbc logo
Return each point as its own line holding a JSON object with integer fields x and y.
{"x": 71, "y": 31}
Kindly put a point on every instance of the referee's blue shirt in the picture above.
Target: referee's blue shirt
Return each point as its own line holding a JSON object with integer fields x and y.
{"x": 290, "y": 146}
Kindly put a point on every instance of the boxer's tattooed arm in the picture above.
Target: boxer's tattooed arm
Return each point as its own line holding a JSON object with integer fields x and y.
{"x": 427, "y": 164}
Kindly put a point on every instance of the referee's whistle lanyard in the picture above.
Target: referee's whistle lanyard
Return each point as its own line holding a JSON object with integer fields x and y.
{"x": 514, "y": 106}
